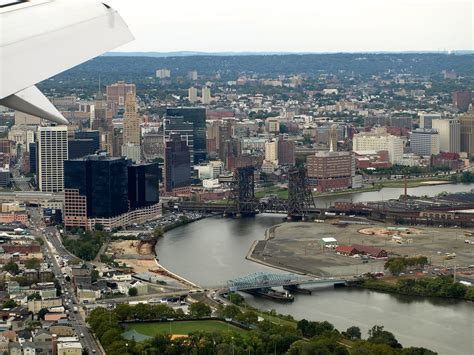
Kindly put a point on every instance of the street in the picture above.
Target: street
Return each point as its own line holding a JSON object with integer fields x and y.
{"x": 52, "y": 248}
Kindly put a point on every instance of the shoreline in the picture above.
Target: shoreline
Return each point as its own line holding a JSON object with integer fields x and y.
{"x": 377, "y": 287}
{"x": 389, "y": 184}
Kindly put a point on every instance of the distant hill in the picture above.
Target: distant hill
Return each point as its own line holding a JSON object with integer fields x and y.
{"x": 141, "y": 69}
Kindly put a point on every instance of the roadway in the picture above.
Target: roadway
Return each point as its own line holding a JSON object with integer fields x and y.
{"x": 19, "y": 181}
{"x": 52, "y": 248}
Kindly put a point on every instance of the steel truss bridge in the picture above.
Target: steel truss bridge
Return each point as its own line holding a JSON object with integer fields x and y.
{"x": 260, "y": 280}
{"x": 242, "y": 200}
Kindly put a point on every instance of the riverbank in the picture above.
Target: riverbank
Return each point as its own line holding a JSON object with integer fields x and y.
{"x": 213, "y": 250}
{"x": 297, "y": 247}
{"x": 411, "y": 183}
{"x": 434, "y": 287}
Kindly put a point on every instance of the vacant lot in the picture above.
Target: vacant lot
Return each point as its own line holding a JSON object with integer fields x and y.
{"x": 297, "y": 246}
{"x": 184, "y": 327}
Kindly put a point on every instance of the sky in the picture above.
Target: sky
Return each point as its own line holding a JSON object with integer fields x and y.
{"x": 297, "y": 25}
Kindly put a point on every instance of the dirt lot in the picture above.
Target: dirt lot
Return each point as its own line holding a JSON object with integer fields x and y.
{"x": 298, "y": 246}
{"x": 126, "y": 251}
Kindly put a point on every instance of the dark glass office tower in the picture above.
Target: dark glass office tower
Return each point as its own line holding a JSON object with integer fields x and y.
{"x": 93, "y": 135}
{"x": 143, "y": 189}
{"x": 196, "y": 115}
{"x": 84, "y": 143}
{"x": 104, "y": 182}
{"x": 185, "y": 129}
{"x": 33, "y": 157}
{"x": 177, "y": 172}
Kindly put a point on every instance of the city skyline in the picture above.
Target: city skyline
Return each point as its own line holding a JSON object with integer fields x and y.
{"x": 339, "y": 26}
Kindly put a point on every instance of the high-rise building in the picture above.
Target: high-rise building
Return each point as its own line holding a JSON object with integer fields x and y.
{"x": 328, "y": 171}
{"x": 84, "y": 143}
{"x": 193, "y": 75}
{"x": 103, "y": 123}
{"x": 462, "y": 100}
{"x": 101, "y": 120}
{"x": 131, "y": 121}
{"x": 467, "y": 132}
{"x": 177, "y": 174}
{"x": 163, "y": 73}
{"x": 197, "y": 116}
{"x": 96, "y": 185}
{"x": 424, "y": 142}
{"x": 333, "y": 138}
{"x": 52, "y": 152}
{"x": 193, "y": 95}
{"x": 400, "y": 122}
{"x": 143, "y": 185}
{"x": 271, "y": 152}
{"x": 206, "y": 95}
{"x": 426, "y": 119}
{"x": 116, "y": 96}
{"x": 109, "y": 191}
{"x": 132, "y": 152}
{"x": 272, "y": 125}
{"x": 449, "y": 131}
{"x": 184, "y": 129}
{"x": 378, "y": 140}
{"x": 286, "y": 152}
{"x": 33, "y": 158}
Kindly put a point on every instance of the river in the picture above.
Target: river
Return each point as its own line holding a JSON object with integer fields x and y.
{"x": 211, "y": 251}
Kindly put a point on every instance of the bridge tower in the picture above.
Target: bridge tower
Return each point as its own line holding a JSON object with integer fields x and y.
{"x": 299, "y": 194}
{"x": 242, "y": 199}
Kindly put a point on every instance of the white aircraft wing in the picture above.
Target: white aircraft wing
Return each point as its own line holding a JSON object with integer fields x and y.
{"x": 42, "y": 38}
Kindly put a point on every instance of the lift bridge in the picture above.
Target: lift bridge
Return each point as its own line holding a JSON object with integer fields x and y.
{"x": 262, "y": 280}
{"x": 242, "y": 200}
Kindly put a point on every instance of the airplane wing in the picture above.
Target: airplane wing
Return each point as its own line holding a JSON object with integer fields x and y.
{"x": 42, "y": 38}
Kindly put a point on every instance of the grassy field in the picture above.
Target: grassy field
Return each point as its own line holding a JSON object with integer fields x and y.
{"x": 184, "y": 327}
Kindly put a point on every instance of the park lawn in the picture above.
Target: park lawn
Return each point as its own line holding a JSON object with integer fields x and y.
{"x": 182, "y": 327}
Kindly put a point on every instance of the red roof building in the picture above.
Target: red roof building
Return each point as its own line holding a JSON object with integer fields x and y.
{"x": 373, "y": 252}
{"x": 346, "y": 250}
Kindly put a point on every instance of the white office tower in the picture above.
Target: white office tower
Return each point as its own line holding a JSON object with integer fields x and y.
{"x": 449, "y": 134}
{"x": 193, "y": 95}
{"x": 52, "y": 152}
{"x": 206, "y": 95}
{"x": 271, "y": 152}
{"x": 424, "y": 142}
{"x": 378, "y": 139}
{"x": 163, "y": 73}
{"x": 193, "y": 75}
{"x": 131, "y": 151}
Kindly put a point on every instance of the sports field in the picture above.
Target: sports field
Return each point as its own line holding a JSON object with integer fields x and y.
{"x": 184, "y": 327}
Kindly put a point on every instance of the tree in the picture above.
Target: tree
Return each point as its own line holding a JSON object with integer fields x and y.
{"x": 32, "y": 263}
{"x": 94, "y": 275}
{"x": 12, "y": 268}
{"x": 132, "y": 291}
{"x": 158, "y": 233}
{"x": 230, "y": 311}
{"x": 42, "y": 312}
{"x": 353, "y": 332}
{"x": 395, "y": 265}
{"x": 9, "y": 304}
{"x": 34, "y": 296}
{"x": 377, "y": 335}
{"x": 199, "y": 310}
{"x": 98, "y": 227}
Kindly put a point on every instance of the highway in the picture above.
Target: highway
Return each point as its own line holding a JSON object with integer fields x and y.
{"x": 53, "y": 247}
